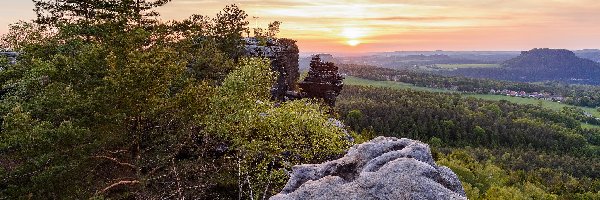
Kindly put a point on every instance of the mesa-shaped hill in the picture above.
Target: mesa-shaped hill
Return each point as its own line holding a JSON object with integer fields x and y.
{"x": 542, "y": 65}
{"x": 560, "y": 59}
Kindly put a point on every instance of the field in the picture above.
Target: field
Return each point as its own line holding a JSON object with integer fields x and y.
{"x": 458, "y": 66}
{"x": 350, "y": 80}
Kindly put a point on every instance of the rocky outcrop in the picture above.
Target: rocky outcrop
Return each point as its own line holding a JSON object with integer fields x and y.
{"x": 283, "y": 54}
{"x": 383, "y": 168}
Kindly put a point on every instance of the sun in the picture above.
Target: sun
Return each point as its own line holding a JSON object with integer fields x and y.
{"x": 353, "y": 42}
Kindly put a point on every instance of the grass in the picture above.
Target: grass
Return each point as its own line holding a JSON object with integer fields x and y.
{"x": 458, "y": 66}
{"x": 589, "y": 126}
{"x": 350, "y": 80}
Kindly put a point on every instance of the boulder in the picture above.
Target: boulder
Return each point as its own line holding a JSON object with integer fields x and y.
{"x": 383, "y": 168}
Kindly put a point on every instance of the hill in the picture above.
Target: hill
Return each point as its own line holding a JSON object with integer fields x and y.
{"x": 592, "y": 54}
{"x": 541, "y": 65}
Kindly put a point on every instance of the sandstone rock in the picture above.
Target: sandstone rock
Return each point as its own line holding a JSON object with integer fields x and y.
{"x": 283, "y": 54}
{"x": 383, "y": 168}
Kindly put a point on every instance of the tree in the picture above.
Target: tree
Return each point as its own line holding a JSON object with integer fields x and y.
{"x": 323, "y": 81}
{"x": 89, "y": 12}
{"x": 267, "y": 138}
{"x": 101, "y": 20}
{"x": 273, "y": 28}
{"x": 22, "y": 34}
{"x": 353, "y": 119}
{"x": 230, "y": 24}
{"x": 89, "y": 118}
{"x": 436, "y": 142}
{"x": 137, "y": 110}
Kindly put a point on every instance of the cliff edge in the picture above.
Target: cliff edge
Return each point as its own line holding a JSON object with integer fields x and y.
{"x": 383, "y": 168}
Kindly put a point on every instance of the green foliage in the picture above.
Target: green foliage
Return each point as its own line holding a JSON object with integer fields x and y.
{"x": 264, "y": 135}
{"x": 23, "y": 33}
{"x": 586, "y": 96}
{"x": 214, "y": 67}
{"x": 459, "y": 121}
{"x": 113, "y": 105}
{"x": 523, "y": 151}
{"x": 353, "y": 117}
{"x": 231, "y": 26}
{"x": 556, "y": 106}
{"x": 86, "y": 12}
{"x": 436, "y": 142}
{"x": 581, "y": 115}
{"x": 484, "y": 180}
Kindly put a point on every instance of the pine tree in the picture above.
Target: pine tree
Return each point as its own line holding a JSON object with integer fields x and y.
{"x": 323, "y": 81}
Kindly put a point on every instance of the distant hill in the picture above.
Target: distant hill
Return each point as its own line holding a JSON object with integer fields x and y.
{"x": 304, "y": 62}
{"x": 541, "y": 65}
{"x": 561, "y": 59}
{"x": 592, "y": 54}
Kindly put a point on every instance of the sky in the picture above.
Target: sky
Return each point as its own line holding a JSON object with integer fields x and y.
{"x": 361, "y": 26}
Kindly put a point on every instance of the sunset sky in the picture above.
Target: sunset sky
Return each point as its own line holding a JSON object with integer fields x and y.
{"x": 359, "y": 26}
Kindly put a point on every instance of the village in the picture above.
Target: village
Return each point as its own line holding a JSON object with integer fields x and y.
{"x": 537, "y": 95}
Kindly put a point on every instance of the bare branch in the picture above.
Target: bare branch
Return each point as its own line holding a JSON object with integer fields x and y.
{"x": 117, "y": 161}
{"x": 250, "y": 186}
{"x": 179, "y": 188}
{"x": 268, "y": 180}
{"x": 133, "y": 182}
{"x": 118, "y": 151}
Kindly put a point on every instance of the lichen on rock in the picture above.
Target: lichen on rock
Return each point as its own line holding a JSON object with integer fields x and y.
{"x": 383, "y": 168}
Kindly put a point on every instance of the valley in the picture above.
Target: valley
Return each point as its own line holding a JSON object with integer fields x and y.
{"x": 350, "y": 80}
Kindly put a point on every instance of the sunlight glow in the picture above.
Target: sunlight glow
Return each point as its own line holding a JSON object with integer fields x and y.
{"x": 392, "y": 25}
{"x": 353, "y": 33}
{"x": 353, "y": 42}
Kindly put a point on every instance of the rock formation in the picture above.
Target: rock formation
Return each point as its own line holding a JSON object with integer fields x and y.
{"x": 323, "y": 81}
{"x": 383, "y": 168}
{"x": 283, "y": 54}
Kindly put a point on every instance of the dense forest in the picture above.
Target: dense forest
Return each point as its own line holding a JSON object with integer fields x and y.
{"x": 577, "y": 95}
{"x": 497, "y": 148}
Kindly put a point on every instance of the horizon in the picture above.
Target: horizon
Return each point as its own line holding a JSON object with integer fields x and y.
{"x": 378, "y": 26}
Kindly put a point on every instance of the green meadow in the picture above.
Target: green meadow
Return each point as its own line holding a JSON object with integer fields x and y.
{"x": 458, "y": 66}
{"x": 350, "y": 80}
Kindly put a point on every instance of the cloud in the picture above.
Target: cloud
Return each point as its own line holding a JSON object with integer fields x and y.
{"x": 390, "y": 24}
